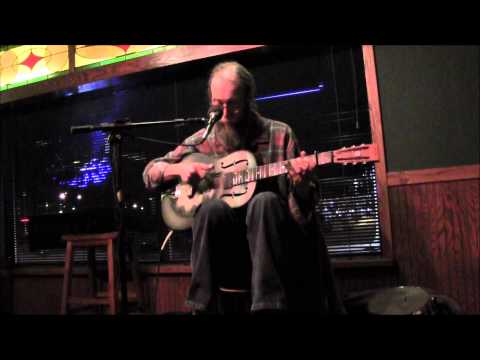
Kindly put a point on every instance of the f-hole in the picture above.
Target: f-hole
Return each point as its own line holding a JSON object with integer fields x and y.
{"x": 233, "y": 164}
{"x": 235, "y": 193}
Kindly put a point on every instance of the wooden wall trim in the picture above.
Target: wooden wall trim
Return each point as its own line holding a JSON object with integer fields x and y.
{"x": 434, "y": 175}
{"x": 185, "y": 269}
{"x": 81, "y": 270}
{"x": 377, "y": 138}
{"x": 337, "y": 263}
{"x": 363, "y": 262}
{"x": 177, "y": 55}
{"x": 170, "y": 269}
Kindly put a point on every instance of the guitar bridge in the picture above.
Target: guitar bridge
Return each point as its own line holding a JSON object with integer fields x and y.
{"x": 172, "y": 193}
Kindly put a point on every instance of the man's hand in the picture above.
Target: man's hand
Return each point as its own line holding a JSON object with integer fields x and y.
{"x": 298, "y": 167}
{"x": 187, "y": 170}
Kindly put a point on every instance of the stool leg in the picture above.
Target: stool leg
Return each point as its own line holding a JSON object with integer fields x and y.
{"x": 136, "y": 277}
{"x": 122, "y": 271}
{"x": 118, "y": 276}
{"x": 92, "y": 272}
{"x": 112, "y": 280}
{"x": 67, "y": 278}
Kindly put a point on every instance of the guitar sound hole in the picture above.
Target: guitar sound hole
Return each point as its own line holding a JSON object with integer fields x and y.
{"x": 236, "y": 193}
{"x": 223, "y": 166}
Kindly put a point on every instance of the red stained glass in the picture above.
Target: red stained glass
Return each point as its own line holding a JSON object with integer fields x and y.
{"x": 123, "y": 47}
{"x": 31, "y": 60}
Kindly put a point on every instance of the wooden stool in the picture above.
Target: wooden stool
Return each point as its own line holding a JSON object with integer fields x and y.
{"x": 92, "y": 241}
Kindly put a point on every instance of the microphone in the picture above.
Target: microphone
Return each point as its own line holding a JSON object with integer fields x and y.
{"x": 214, "y": 115}
{"x": 81, "y": 129}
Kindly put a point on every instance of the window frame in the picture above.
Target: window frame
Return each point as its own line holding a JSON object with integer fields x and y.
{"x": 376, "y": 126}
{"x": 75, "y": 78}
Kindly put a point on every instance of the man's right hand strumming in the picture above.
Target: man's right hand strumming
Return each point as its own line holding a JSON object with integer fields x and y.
{"x": 186, "y": 171}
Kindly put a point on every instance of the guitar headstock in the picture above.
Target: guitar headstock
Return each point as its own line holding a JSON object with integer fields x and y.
{"x": 360, "y": 154}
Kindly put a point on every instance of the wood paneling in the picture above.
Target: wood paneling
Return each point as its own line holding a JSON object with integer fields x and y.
{"x": 452, "y": 173}
{"x": 356, "y": 280}
{"x": 436, "y": 232}
{"x": 5, "y": 292}
{"x": 42, "y": 295}
{"x": 435, "y": 229}
{"x": 172, "y": 293}
{"x": 37, "y": 289}
{"x": 166, "y": 288}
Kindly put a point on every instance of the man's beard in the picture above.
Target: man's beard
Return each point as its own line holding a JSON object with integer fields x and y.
{"x": 234, "y": 137}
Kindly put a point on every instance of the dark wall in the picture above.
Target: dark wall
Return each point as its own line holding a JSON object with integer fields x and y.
{"x": 5, "y": 195}
{"x": 429, "y": 98}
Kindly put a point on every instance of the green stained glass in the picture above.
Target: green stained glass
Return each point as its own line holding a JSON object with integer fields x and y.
{"x": 90, "y": 66}
{"x": 40, "y": 78}
{"x": 164, "y": 48}
{"x": 113, "y": 61}
{"x": 59, "y": 73}
{"x": 139, "y": 54}
{"x": 21, "y": 83}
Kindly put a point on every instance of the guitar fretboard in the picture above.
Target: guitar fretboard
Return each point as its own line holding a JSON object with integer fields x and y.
{"x": 260, "y": 172}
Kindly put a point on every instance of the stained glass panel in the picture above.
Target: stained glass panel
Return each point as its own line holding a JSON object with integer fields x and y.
{"x": 22, "y": 65}
{"x": 104, "y": 54}
{"x": 25, "y": 64}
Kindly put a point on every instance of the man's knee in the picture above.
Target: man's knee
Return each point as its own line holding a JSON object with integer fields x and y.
{"x": 213, "y": 207}
{"x": 264, "y": 202}
{"x": 264, "y": 199}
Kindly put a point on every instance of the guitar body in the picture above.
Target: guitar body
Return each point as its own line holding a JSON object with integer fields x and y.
{"x": 230, "y": 182}
{"x": 179, "y": 205}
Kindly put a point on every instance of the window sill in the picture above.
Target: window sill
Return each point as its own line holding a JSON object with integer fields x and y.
{"x": 345, "y": 262}
{"x": 338, "y": 263}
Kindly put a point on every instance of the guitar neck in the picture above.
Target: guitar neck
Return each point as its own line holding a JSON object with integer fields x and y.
{"x": 273, "y": 169}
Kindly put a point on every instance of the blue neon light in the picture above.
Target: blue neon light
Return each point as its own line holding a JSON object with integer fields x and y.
{"x": 292, "y": 93}
{"x": 100, "y": 146}
{"x": 96, "y": 170}
{"x": 93, "y": 172}
{"x": 96, "y": 85}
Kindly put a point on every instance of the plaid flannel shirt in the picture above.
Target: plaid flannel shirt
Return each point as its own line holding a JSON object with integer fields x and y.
{"x": 276, "y": 142}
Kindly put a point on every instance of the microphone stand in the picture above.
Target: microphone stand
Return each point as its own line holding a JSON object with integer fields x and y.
{"x": 116, "y": 135}
{"x": 125, "y": 124}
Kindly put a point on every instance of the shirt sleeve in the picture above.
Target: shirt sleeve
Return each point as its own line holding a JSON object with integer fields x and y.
{"x": 172, "y": 157}
{"x": 301, "y": 196}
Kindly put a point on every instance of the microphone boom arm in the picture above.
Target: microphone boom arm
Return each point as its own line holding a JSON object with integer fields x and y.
{"x": 128, "y": 125}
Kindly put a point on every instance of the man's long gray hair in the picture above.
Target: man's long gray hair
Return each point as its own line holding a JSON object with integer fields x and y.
{"x": 246, "y": 82}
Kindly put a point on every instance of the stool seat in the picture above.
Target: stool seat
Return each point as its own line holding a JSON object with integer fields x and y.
{"x": 85, "y": 238}
{"x": 233, "y": 300}
{"x": 234, "y": 290}
{"x": 91, "y": 241}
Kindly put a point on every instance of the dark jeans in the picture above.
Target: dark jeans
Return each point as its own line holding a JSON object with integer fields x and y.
{"x": 222, "y": 256}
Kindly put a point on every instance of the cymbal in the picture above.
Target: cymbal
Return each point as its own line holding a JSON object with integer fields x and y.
{"x": 401, "y": 300}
